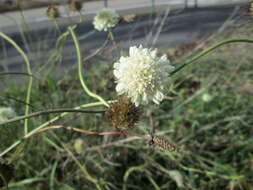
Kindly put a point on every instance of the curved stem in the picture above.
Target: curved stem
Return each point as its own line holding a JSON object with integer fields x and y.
{"x": 31, "y": 133}
{"x": 206, "y": 51}
{"x": 80, "y": 74}
{"x": 48, "y": 112}
{"x": 28, "y": 65}
{"x": 60, "y": 44}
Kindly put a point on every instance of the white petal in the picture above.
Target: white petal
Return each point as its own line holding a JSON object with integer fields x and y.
{"x": 116, "y": 73}
{"x": 120, "y": 88}
{"x": 158, "y": 96}
{"x": 164, "y": 58}
{"x": 132, "y": 51}
{"x": 154, "y": 53}
{"x": 145, "y": 98}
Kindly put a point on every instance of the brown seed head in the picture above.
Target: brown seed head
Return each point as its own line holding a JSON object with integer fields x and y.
{"x": 75, "y": 5}
{"x": 123, "y": 114}
{"x": 251, "y": 8}
{"x": 52, "y": 12}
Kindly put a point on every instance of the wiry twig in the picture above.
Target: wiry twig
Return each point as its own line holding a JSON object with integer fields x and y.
{"x": 155, "y": 140}
{"x": 16, "y": 100}
{"x": 86, "y": 132}
{"x": 17, "y": 73}
{"x": 129, "y": 139}
{"x": 97, "y": 51}
{"x": 48, "y": 112}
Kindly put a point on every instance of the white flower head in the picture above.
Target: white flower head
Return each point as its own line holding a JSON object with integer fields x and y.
{"x": 142, "y": 75}
{"x": 6, "y": 113}
{"x": 105, "y": 19}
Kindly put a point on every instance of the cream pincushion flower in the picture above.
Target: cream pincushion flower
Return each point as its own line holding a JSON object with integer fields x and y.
{"x": 105, "y": 19}
{"x": 142, "y": 75}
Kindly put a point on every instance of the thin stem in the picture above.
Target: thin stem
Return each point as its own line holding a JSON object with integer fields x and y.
{"x": 82, "y": 19}
{"x": 16, "y": 73}
{"x": 110, "y": 33}
{"x": 97, "y": 51}
{"x": 45, "y": 124}
{"x": 15, "y": 99}
{"x": 28, "y": 65}
{"x": 86, "y": 132}
{"x": 206, "y": 51}
{"x": 80, "y": 74}
{"x": 48, "y": 112}
{"x": 24, "y": 26}
{"x": 60, "y": 44}
{"x": 57, "y": 26}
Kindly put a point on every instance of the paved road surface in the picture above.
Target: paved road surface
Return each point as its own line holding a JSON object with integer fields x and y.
{"x": 189, "y": 26}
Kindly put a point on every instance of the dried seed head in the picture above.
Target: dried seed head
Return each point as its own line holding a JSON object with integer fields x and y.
{"x": 129, "y": 18}
{"x": 52, "y": 12}
{"x": 251, "y": 8}
{"x": 75, "y": 5}
{"x": 164, "y": 144}
{"x": 123, "y": 114}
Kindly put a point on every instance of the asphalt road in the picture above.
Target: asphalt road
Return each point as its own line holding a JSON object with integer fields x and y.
{"x": 186, "y": 27}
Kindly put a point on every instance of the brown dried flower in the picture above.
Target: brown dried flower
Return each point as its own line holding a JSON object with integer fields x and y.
{"x": 123, "y": 114}
{"x": 52, "y": 12}
{"x": 75, "y": 5}
{"x": 251, "y": 8}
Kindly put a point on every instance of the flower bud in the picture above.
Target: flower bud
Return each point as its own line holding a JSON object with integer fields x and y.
{"x": 75, "y": 5}
{"x": 52, "y": 12}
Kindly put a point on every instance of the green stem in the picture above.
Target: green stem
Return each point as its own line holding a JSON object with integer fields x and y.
{"x": 206, "y": 51}
{"x": 28, "y": 65}
{"x": 82, "y": 19}
{"x": 45, "y": 124}
{"x": 80, "y": 74}
{"x": 110, "y": 33}
{"x": 57, "y": 26}
{"x": 60, "y": 44}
